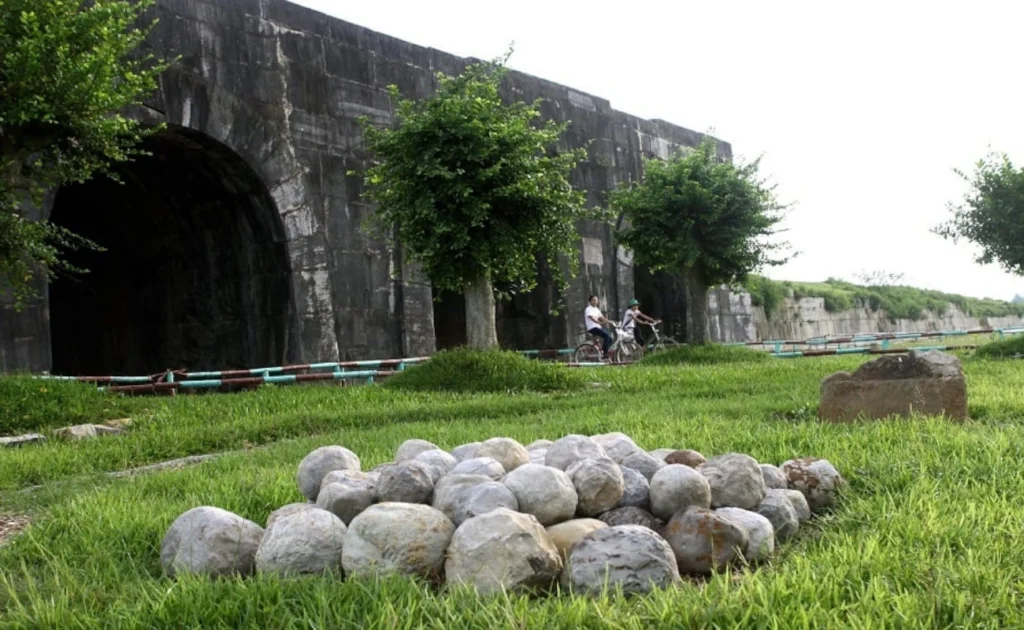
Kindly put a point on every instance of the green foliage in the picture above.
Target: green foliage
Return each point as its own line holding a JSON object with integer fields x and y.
{"x": 472, "y": 187}
{"x": 926, "y": 537}
{"x": 836, "y": 299}
{"x": 704, "y": 354}
{"x": 471, "y": 370}
{"x": 698, "y": 212}
{"x": 765, "y": 292}
{"x": 27, "y": 245}
{"x": 899, "y": 302}
{"x": 991, "y": 214}
{"x": 66, "y": 69}
{"x": 28, "y": 404}
{"x": 1011, "y": 347}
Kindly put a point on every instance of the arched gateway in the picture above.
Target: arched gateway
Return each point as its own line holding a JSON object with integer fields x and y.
{"x": 195, "y": 272}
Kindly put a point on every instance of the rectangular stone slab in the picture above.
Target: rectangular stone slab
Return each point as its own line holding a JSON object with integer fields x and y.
{"x": 21, "y": 440}
{"x": 847, "y": 400}
{"x": 928, "y": 383}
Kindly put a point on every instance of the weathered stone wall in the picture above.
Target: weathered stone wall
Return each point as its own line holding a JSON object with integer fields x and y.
{"x": 25, "y": 336}
{"x": 283, "y": 86}
{"x": 733, "y": 318}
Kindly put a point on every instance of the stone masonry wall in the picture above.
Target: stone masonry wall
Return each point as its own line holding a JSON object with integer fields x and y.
{"x": 733, "y": 318}
{"x": 283, "y": 86}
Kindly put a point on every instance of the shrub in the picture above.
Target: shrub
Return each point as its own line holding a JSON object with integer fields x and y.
{"x": 836, "y": 301}
{"x": 28, "y": 404}
{"x": 1004, "y": 349}
{"x": 766, "y": 293}
{"x": 705, "y": 354}
{"x": 470, "y": 370}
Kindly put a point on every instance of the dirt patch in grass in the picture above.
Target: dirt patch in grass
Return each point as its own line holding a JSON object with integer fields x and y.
{"x": 12, "y": 524}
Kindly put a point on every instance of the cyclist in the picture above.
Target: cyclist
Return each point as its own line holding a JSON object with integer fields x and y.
{"x": 632, "y": 316}
{"x": 594, "y": 322}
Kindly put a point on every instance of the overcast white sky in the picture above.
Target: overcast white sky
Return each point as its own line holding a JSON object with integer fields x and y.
{"x": 861, "y": 109}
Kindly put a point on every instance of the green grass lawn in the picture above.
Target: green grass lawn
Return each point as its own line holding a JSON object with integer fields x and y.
{"x": 930, "y": 533}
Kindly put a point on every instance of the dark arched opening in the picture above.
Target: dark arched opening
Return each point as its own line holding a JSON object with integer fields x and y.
{"x": 196, "y": 271}
{"x": 662, "y": 295}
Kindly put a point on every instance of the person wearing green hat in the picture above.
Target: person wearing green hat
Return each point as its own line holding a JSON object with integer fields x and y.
{"x": 632, "y": 316}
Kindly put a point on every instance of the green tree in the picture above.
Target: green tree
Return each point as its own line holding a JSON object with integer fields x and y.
{"x": 475, "y": 189}
{"x": 991, "y": 214}
{"x": 67, "y": 69}
{"x": 704, "y": 217}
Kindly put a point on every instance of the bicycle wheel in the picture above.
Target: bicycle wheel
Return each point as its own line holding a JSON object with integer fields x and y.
{"x": 661, "y": 344}
{"x": 637, "y": 352}
{"x": 628, "y": 352}
{"x": 587, "y": 352}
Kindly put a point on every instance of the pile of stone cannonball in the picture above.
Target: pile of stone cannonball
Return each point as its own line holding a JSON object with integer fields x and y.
{"x": 587, "y": 513}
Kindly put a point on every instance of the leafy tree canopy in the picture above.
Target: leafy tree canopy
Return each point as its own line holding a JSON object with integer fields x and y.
{"x": 703, "y": 217}
{"x": 991, "y": 214}
{"x": 67, "y": 69}
{"x": 474, "y": 187}
{"x": 698, "y": 212}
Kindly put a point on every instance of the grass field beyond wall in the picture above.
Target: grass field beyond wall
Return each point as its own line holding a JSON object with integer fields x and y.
{"x": 929, "y": 535}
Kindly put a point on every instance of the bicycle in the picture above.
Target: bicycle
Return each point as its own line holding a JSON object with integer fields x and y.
{"x": 624, "y": 349}
{"x": 659, "y": 342}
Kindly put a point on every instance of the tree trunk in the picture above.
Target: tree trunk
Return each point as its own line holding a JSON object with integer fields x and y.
{"x": 480, "y": 328}
{"x": 697, "y": 304}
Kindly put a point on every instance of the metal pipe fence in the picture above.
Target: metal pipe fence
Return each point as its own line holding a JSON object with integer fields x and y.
{"x": 171, "y": 382}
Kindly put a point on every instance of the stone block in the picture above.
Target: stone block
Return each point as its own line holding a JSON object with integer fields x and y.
{"x": 353, "y": 36}
{"x": 307, "y": 89}
{"x": 928, "y": 383}
{"x": 349, "y": 63}
{"x": 293, "y": 17}
{"x": 302, "y": 48}
{"x": 21, "y": 440}
{"x": 87, "y": 431}
{"x": 412, "y": 81}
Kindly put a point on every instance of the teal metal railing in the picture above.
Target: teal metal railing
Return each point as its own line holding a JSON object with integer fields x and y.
{"x": 173, "y": 381}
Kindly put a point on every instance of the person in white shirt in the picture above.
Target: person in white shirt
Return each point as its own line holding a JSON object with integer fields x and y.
{"x": 632, "y": 316}
{"x": 595, "y": 321}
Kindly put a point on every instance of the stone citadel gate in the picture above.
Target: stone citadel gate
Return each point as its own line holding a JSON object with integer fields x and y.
{"x": 238, "y": 243}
